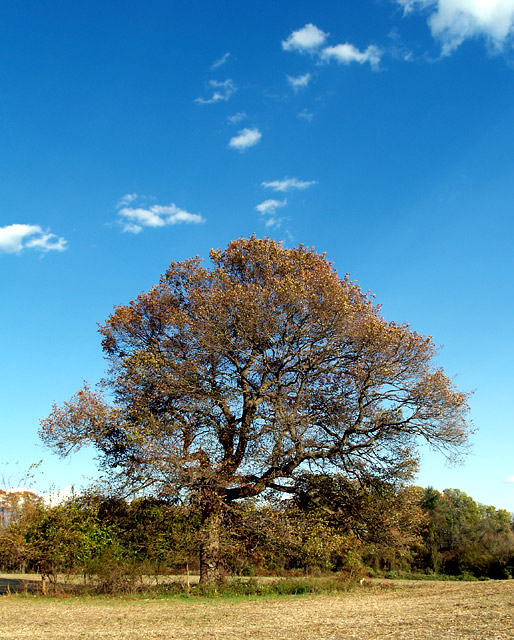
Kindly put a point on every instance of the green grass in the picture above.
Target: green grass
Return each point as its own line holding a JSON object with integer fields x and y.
{"x": 233, "y": 588}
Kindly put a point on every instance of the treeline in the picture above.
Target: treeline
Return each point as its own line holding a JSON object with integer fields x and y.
{"x": 331, "y": 524}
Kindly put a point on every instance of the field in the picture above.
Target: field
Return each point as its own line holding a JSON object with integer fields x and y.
{"x": 414, "y": 610}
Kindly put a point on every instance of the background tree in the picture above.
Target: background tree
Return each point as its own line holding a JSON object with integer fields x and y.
{"x": 230, "y": 381}
{"x": 466, "y": 537}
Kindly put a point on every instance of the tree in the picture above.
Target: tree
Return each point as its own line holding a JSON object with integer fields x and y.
{"x": 231, "y": 381}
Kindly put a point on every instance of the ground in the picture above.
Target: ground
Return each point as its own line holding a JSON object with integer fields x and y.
{"x": 413, "y": 611}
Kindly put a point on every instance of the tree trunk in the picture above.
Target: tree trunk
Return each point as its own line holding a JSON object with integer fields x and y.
{"x": 210, "y": 556}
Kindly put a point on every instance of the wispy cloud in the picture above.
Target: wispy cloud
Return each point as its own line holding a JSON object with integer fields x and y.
{"x": 270, "y": 206}
{"x": 222, "y": 91}
{"x": 220, "y": 61}
{"x": 267, "y": 211}
{"x": 299, "y": 82}
{"x": 305, "y": 114}
{"x": 453, "y": 21}
{"x": 410, "y": 5}
{"x": 510, "y": 480}
{"x": 127, "y": 199}
{"x": 287, "y": 184}
{"x": 305, "y": 40}
{"x": 347, "y": 53}
{"x": 237, "y": 117}
{"x": 134, "y": 219}
{"x": 16, "y": 237}
{"x": 245, "y": 138}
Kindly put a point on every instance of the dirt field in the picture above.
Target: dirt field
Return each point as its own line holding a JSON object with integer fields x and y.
{"x": 439, "y": 611}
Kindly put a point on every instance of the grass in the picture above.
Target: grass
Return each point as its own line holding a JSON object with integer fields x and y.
{"x": 413, "y": 611}
{"x": 175, "y": 586}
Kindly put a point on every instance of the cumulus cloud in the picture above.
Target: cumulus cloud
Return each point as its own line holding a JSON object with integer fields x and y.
{"x": 220, "y": 61}
{"x": 16, "y": 237}
{"x": 134, "y": 219}
{"x": 305, "y": 40}
{"x": 453, "y": 21}
{"x": 347, "y": 53}
{"x": 245, "y": 138}
{"x": 288, "y": 184}
{"x": 310, "y": 39}
{"x": 222, "y": 91}
{"x": 299, "y": 82}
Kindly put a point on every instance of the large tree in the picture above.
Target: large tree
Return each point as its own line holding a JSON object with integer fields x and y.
{"x": 228, "y": 381}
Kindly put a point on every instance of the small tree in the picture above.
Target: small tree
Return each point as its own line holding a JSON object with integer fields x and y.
{"x": 230, "y": 381}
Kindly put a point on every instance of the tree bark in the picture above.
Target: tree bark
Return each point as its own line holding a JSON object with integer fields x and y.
{"x": 211, "y": 569}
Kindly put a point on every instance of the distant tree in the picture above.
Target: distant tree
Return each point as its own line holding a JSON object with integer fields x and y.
{"x": 15, "y": 507}
{"x": 384, "y": 517}
{"x": 231, "y": 381}
{"x": 14, "y": 503}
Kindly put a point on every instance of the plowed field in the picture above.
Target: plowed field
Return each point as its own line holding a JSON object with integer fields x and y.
{"x": 415, "y": 610}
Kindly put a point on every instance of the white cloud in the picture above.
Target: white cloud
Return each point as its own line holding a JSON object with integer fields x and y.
{"x": 306, "y": 40}
{"x": 47, "y": 242}
{"x": 222, "y": 91}
{"x": 310, "y": 39}
{"x": 237, "y": 117}
{"x": 267, "y": 210}
{"x": 287, "y": 184}
{"x": 453, "y": 21}
{"x": 16, "y": 237}
{"x": 245, "y": 138}
{"x": 134, "y": 219}
{"x": 299, "y": 82}
{"x": 510, "y": 480}
{"x": 347, "y": 53}
{"x": 220, "y": 61}
{"x": 270, "y": 206}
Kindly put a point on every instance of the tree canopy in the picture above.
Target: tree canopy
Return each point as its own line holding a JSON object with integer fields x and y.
{"x": 228, "y": 381}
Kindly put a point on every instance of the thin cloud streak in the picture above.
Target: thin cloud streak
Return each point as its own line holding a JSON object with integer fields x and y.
{"x": 288, "y": 184}
{"x": 220, "y": 61}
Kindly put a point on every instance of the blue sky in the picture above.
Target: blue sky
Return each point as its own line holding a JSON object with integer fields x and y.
{"x": 378, "y": 131}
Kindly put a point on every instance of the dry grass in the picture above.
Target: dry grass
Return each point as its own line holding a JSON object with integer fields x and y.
{"x": 439, "y": 611}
